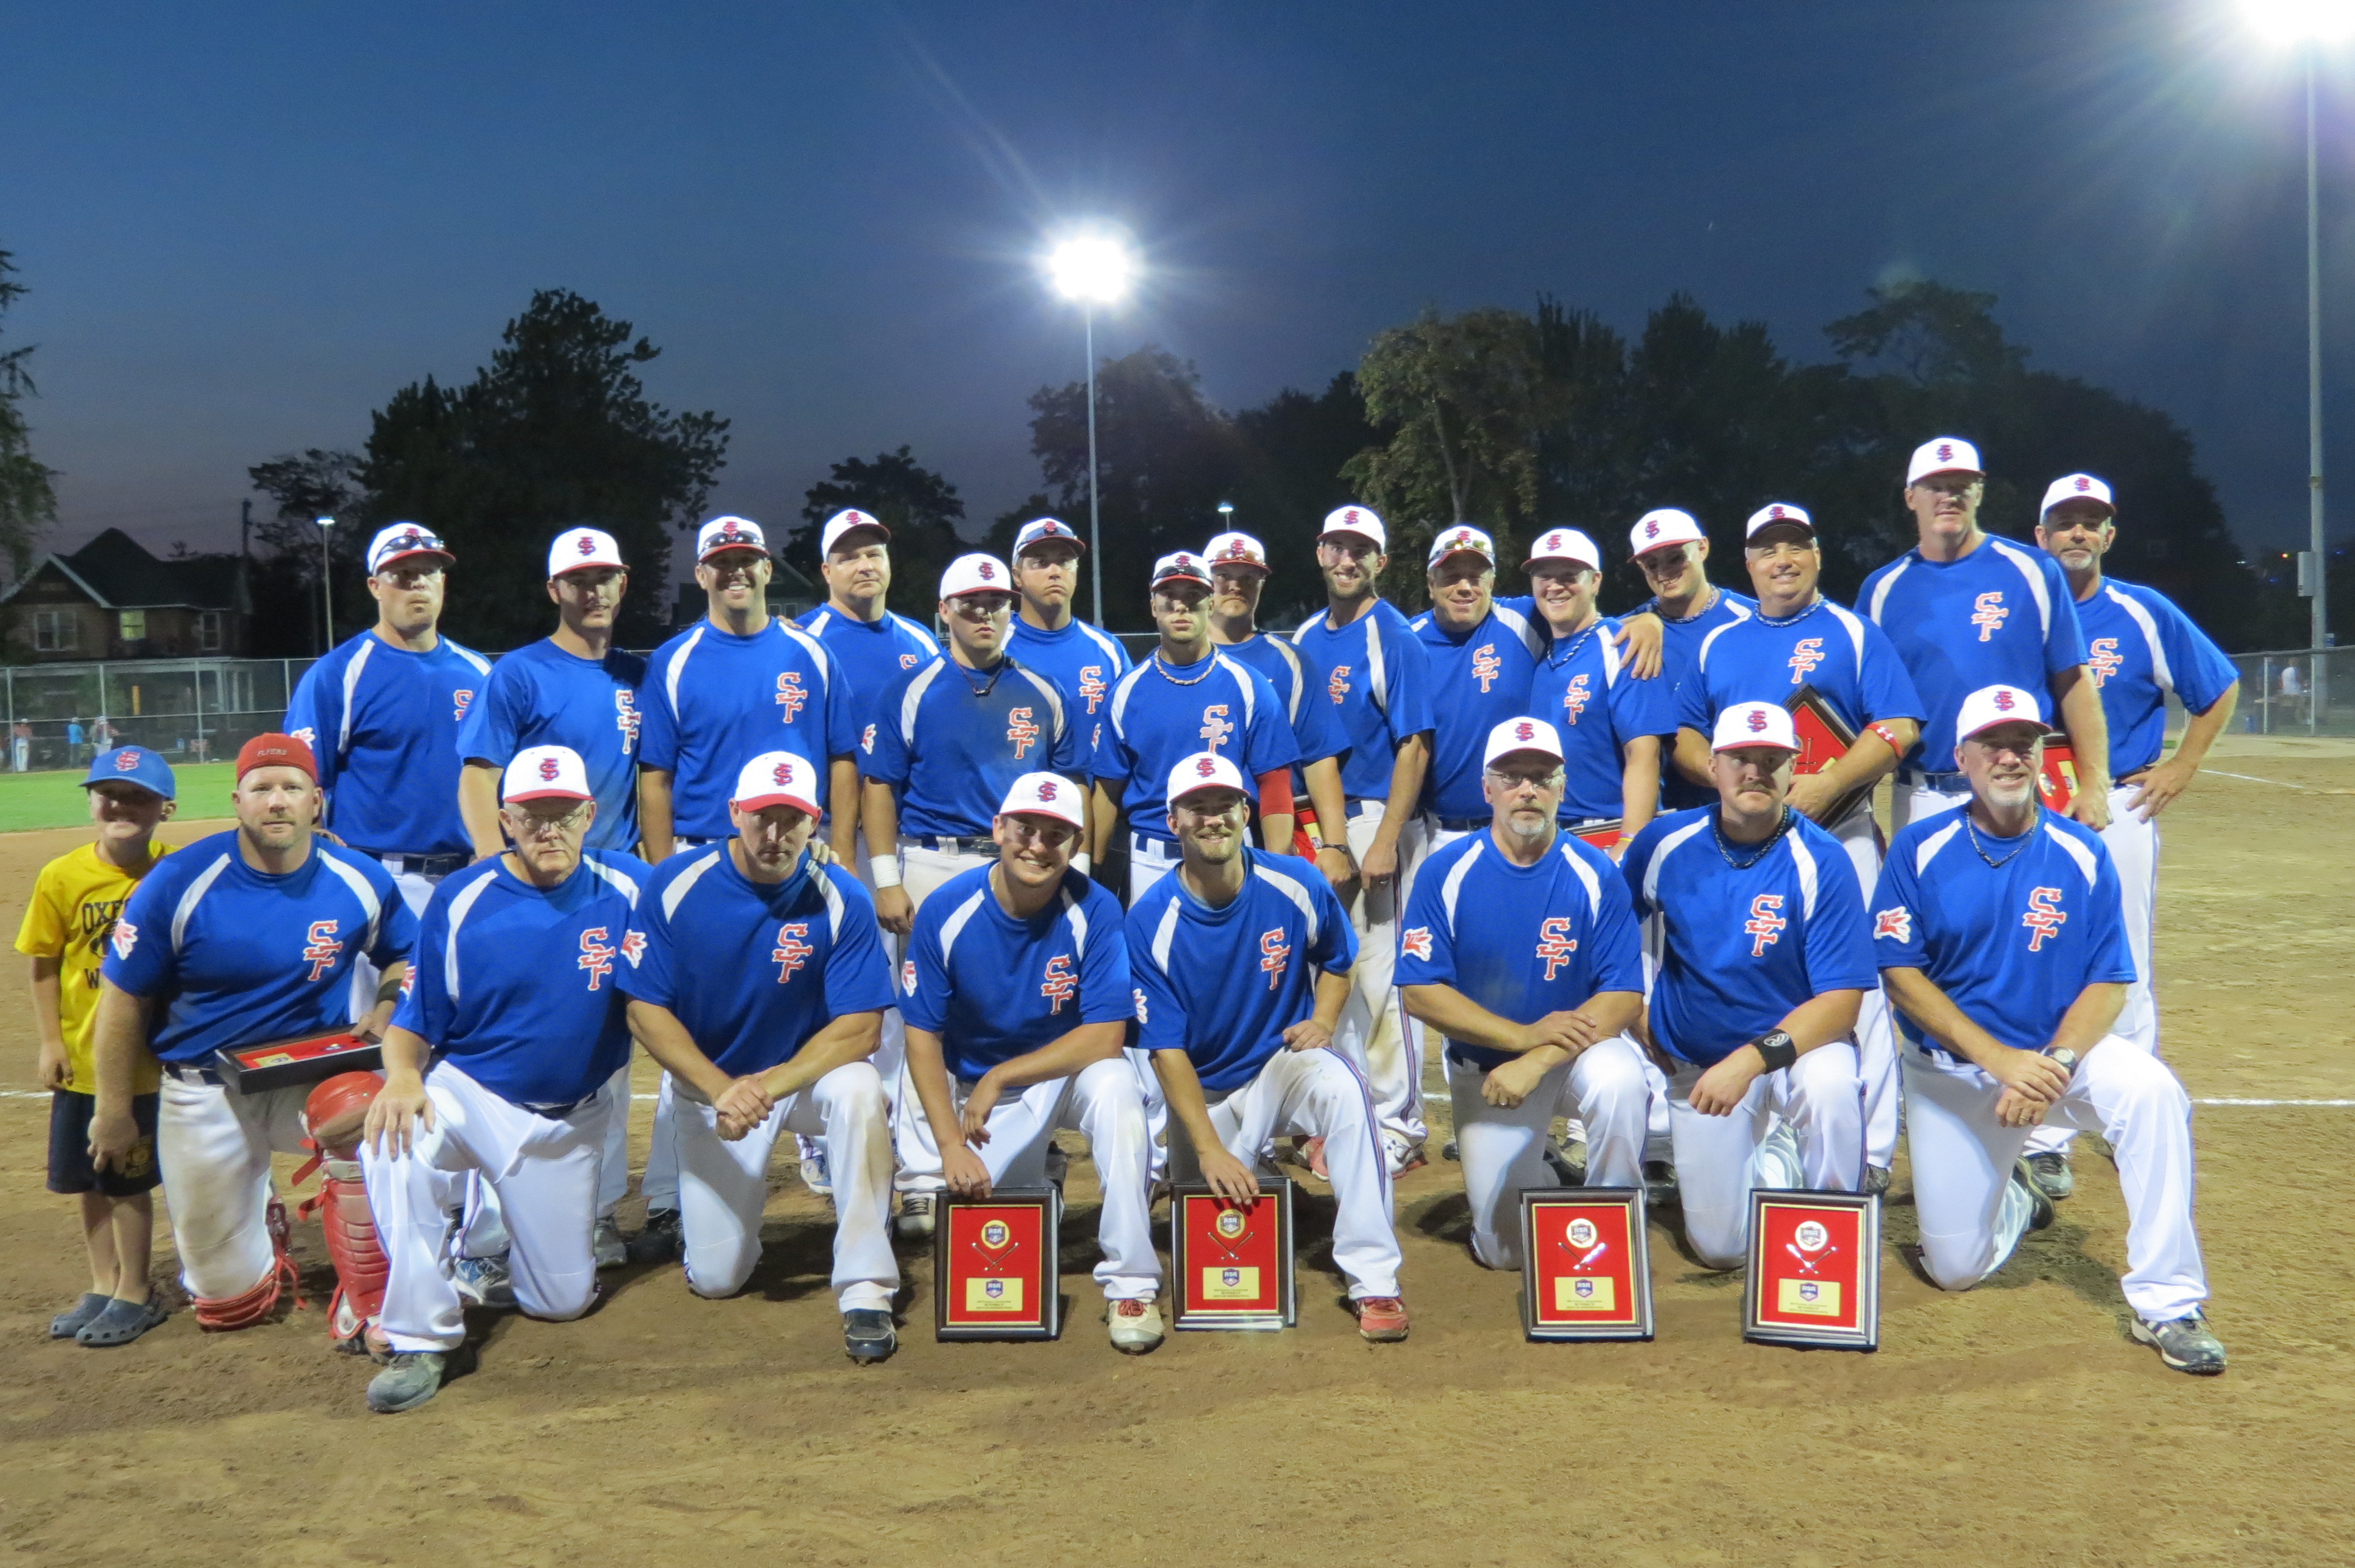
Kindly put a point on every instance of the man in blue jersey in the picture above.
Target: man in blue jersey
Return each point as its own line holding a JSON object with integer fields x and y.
{"x": 2000, "y": 937}
{"x": 947, "y": 741}
{"x": 573, "y": 689}
{"x": 1763, "y": 961}
{"x": 754, "y": 976}
{"x": 1800, "y": 640}
{"x": 1018, "y": 1002}
{"x": 1241, "y": 961}
{"x": 1482, "y": 656}
{"x": 499, "y": 1064}
{"x": 1609, "y": 723}
{"x": 2140, "y": 648}
{"x": 1084, "y": 660}
{"x": 1359, "y": 651}
{"x": 381, "y": 714}
{"x": 1517, "y": 946}
{"x": 1966, "y": 610}
{"x": 244, "y": 937}
{"x": 1672, "y": 553}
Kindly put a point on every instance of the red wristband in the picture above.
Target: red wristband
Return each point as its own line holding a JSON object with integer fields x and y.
{"x": 1275, "y": 792}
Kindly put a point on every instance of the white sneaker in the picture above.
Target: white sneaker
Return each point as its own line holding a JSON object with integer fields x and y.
{"x": 814, "y": 1175}
{"x": 1135, "y": 1326}
{"x": 1778, "y": 1159}
{"x": 915, "y": 1219}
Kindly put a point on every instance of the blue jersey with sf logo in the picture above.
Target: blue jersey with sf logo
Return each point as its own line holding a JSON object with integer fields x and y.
{"x": 994, "y": 987}
{"x": 382, "y": 722}
{"x": 1477, "y": 680}
{"x": 2139, "y": 646}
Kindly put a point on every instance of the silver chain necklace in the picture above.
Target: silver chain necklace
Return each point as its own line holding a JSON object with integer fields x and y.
{"x": 1973, "y": 829}
{"x": 1717, "y": 836}
{"x": 1161, "y": 666}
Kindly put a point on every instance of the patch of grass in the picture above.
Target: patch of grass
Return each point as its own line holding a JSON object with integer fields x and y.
{"x": 55, "y": 799}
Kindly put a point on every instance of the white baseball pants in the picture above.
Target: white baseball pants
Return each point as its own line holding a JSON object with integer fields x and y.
{"x": 1503, "y": 1148}
{"x": 1876, "y": 1031}
{"x": 922, "y": 872}
{"x": 1320, "y": 1094}
{"x": 2134, "y": 847}
{"x": 1150, "y": 860}
{"x": 1373, "y": 1025}
{"x": 213, "y": 1149}
{"x": 723, "y": 1186}
{"x": 1720, "y": 1158}
{"x": 1100, "y": 1101}
{"x": 1911, "y": 803}
{"x": 1973, "y": 1215}
{"x": 544, "y": 1171}
{"x": 892, "y": 1050}
{"x": 660, "y": 1185}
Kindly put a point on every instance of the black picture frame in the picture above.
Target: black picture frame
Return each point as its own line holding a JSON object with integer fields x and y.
{"x": 1192, "y": 1309}
{"x": 1039, "y": 1315}
{"x": 1549, "y": 1218}
{"x": 1772, "y": 1312}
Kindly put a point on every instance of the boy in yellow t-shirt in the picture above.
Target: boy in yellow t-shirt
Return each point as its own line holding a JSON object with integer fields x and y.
{"x": 75, "y": 900}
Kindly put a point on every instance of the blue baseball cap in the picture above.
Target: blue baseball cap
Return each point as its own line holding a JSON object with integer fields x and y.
{"x": 132, "y": 764}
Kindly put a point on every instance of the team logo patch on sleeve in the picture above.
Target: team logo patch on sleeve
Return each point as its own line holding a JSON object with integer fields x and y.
{"x": 634, "y": 946}
{"x": 323, "y": 949}
{"x": 459, "y": 699}
{"x": 1416, "y": 943}
{"x": 125, "y": 937}
{"x": 908, "y": 977}
{"x": 867, "y": 740}
{"x": 596, "y": 956}
{"x": 1139, "y": 995}
{"x": 1893, "y": 925}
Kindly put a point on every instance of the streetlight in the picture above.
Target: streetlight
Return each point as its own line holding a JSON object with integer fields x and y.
{"x": 1094, "y": 269}
{"x": 326, "y": 590}
{"x": 1226, "y": 516}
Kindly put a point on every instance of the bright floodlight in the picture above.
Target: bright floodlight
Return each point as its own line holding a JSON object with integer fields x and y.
{"x": 1092, "y": 269}
{"x": 2300, "y": 21}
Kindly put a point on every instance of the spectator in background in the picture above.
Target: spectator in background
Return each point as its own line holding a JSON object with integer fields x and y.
{"x": 73, "y": 741}
{"x": 20, "y": 746}
{"x": 101, "y": 735}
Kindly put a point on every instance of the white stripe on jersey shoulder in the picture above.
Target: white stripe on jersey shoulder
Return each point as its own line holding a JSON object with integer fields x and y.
{"x": 958, "y": 919}
{"x": 1854, "y": 626}
{"x": 1668, "y": 846}
{"x": 2145, "y": 623}
{"x": 1166, "y": 933}
{"x": 1420, "y": 622}
{"x": 619, "y": 880}
{"x": 913, "y": 697}
{"x": 2082, "y": 854}
{"x": 459, "y": 908}
{"x": 1077, "y": 914}
{"x": 1612, "y": 660}
{"x": 195, "y": 895}
{"x": 1242, "y": 673}
{"x": 1126, "y": 684}
{"x": 482, "y": 666}
{"x": 1299, "y": 676}
{"x": 1804, "y": 859}
{"x": 1740, "y": 612}
{"x": 678, "y": 665}
{"x": 922, "y": 636}
{"x": 351, "y": 685}
{"x": 1377, "y": 665}
{"x": 831, "y": 891}
{"x": 1291, "y": 888}
{"x": 1104, "y": 640}
{"x": 1700, "y": 660}
{"x": 684, "y": 882}
{"x": 1049, "y": 693}
{"x": 1454, "y": 885}
{"x": 817, "y": 627}
{"x": 1881, "y": 594}
{"x": 2028, "y": 567}
{"x": 1519, "y": 624}
{"x": 813, "y": 647}
{"x": 1936, "y": 842}
{"x": 356, "y": 880}
{"x": 1585, "y": 872}
{"x": 1307, "y": 626}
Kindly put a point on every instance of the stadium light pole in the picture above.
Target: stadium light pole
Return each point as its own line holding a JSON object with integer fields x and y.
{"x": 1226, "y": 516}
{"x": 327, "y": 590}
{"x": 1091, "y": 270}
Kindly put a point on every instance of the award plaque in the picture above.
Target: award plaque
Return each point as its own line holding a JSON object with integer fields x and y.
{"x": 1603, "y": 835}
{"x": 1231, "y": 1263}
{"x": 996, "y": 1270}
{"x": 251, "y": 1069}
{"x": 1814, "y": 1270}
{"x": 1585, "y": 1267}
{"x": 2056, "y": 785}
{"x": 1824, "y": 739}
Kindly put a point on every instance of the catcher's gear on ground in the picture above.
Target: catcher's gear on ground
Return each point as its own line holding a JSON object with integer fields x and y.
{"x": 334, "y": 1114}
{"x": 219, "y": 1315}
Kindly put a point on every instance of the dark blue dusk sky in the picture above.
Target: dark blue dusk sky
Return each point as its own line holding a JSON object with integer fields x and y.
{"x": 244, "y": 227}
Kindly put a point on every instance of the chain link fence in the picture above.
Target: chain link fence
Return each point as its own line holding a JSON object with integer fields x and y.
{"x": 191, "y": 710}
{"x": 2299, "y": 691}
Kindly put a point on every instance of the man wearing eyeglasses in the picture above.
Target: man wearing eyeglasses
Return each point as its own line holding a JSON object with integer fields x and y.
{"x": 1017, "y": 1000}
{"x": 1672, "y": 554}
{"x": 499, "y": 1064}
{"x": 948, "y": 740}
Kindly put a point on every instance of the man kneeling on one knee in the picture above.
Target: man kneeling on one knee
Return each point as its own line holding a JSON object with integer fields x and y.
{"x": 1999, "y": 936}
{"x": 1519, "y": 945}
{"x": 756, "y": 979}
{"x": 1758, "y": 925}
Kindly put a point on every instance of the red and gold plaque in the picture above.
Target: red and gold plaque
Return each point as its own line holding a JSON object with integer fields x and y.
{"x": 251, "y": 1069}
{"x": 1603, "y": 835}
{"x": 1586, "y": 1269}
{"x": 994, "y": 1266}
{"x": 1231, "y": 1263}
{"x": 2056, "y": 783}
{"x": 1814, "y": 1270}
{"x": 1824, "y": 739}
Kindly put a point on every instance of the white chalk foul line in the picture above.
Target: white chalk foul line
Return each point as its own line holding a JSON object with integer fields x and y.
{"x": 2252, "y": 779}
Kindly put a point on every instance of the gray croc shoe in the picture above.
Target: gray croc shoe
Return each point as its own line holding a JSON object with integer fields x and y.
{"x": 70, "y": 1322}
{"x": 122, "y": 1322}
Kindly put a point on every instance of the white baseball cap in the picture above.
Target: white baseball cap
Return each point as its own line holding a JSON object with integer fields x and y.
{"x": 1181, "y": 566}
{"x": 1204, "y": 771}
{"x": 1992, "y": 706}
{"x": 1778, "y": 512}
{"x": 399, "y": 541}
{"x": 2075, "y": 487}
{"x": 849, "y": 520}
{"x": 1236, "y": 550}
{"x": 1045, "y": 795}
{"x": 1666, "y": 526}
{"x": 1942, "y": 454}
{"x": 975, "y": 574}
{"x": 1462, "y": 539}
{"x": 580, "y": 548}
{"x": 1522, "y": 734}
{"x": 1363, "y": 520}
{"x": 546, "y": 773}
{"x": 776, "y": 779}
{"x": 1040, "y": 529}
{"x": 1754, "y": 723}
{"x": 728, "y": 534}
{"x": 1565, "y": 544}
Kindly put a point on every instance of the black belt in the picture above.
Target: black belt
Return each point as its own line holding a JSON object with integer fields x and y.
{"x": 557, "y": 1113}
{"x": 1462, "y": 824}
{"x": 188, "y": 1074}
{"x": 984, "y": 844}
{"x": 428, "y": 864}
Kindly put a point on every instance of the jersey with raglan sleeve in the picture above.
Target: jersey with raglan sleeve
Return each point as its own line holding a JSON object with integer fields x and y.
{"x": 2139, "y": 646}
{"x": 1583, "y": 687}
{"x": 1374, "y": 671}
{"x": 1085, "y": 661}
{"x": 1315, "y": 728}
{"x": 952, "y": 740}
{"x": 1680, "y": 644}
{"x": 993, "y": 987}
{"x": 870, "y": 655}
{"x": 714, "y": 701}
{"x": 1847, "y": 659}
{"x": 541, "y": 695}
{"x": 1477, "y": 680}
{"x": 1153, "y": 723}
{"x": 382, "y": 722}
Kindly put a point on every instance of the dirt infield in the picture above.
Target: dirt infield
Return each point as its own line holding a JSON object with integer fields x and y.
{"x": 2013, "y": 1424}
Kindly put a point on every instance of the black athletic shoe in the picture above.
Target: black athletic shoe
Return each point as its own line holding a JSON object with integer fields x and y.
{"x": 868, "y": 1335}
{"x": 1567, "y": 1161}
{"x": 1876, "y": 1179}
{"x": 2039, "y": 1213}
{"x": 2052, "y": 1175}
{"x": 661, "y": 1241}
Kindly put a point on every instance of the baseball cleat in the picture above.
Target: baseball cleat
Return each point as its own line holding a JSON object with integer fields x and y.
{"x": 1876, "y": 1179}
{"x": 408, "y": 1380}
{"x": 607, "y": 1245}
{"x": 1401, "y": 1156}
{"x": 70, "y": 1321}
{"x": 660, "y": 1241}
{"x": 814, "y": 1175}
{"x": 2183, "y": 1343}
{"x": 1135, "y": 1326}
{"x": 1058, "y": 1165}
{"x": 1381, "y": 1318}
{"x": 1567, "y": 1159}
{"x": 915, "y": 1219}
{"x": 1450, "y": 1151}
{"x": 484, "y": 1282}
{"x": 868, "y": 1336}
{"x": 2040, "y": 1212}
{"x": 2052, "y": 1174}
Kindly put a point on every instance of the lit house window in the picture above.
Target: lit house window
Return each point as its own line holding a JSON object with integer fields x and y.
{"x": 131, "y": 625}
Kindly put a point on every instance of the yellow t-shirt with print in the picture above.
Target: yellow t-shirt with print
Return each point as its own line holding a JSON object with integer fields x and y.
{"x": 75, "y": 900}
